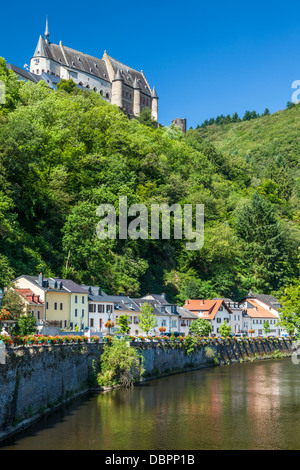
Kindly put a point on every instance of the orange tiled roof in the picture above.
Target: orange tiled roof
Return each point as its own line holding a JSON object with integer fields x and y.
{"x": 29, "y": 296}
{"x": 258, "y": 311}
{"x": 208, "y": 307}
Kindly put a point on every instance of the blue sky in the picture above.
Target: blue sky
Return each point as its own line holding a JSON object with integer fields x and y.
{"x": 204, "y": 58}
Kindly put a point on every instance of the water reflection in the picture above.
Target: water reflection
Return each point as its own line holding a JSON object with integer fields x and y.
{"x": 241, "y": 406}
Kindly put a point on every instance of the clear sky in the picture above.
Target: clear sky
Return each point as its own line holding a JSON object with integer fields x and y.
{"x": 204, "y": 58}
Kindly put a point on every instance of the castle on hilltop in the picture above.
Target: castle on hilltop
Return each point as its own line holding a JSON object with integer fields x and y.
{"x": 116, "y": 82}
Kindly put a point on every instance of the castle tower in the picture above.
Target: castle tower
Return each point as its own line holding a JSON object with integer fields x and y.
{"x": 154, "y": 105}
{"x": 136, "y": 98}
{"x": 117, "y": 90}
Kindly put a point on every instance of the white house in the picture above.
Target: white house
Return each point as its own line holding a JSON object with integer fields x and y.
{"x": 216, "y": 311}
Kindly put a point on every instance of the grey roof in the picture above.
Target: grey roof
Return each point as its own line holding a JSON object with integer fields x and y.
{"x": 46, "y": 284}
{"x": 71, "y": 58}
{"x": 185, "y": 313}
{"x": 157, "y": 306}
{"x": 269, "y": 300}
{"x": 129, "y": 75}
{"x": 70, "y": 286}
{"x": 32, "y": 77}
{"x": 125, "y": 302}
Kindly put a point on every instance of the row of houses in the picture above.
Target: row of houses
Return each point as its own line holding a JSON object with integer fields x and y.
{"x": 81, "y": 307}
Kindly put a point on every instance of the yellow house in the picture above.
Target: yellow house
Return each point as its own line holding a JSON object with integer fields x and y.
{"x": 64, "y": 300}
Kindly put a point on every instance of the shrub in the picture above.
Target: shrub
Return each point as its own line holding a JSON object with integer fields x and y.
{"x": 120, "y": 365}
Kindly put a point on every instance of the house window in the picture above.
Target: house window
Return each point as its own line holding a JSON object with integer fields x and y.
{"x": 100, "y": 308}
{"x": 76, "y": 312}
{"x": 100, "y": 323}
{"x": 38, "y": 314}
{"x": 83, "y": 299}
{"x": 164, "y": 323}
{"x": 109, "y": 308}
{"x": 92, "y": 322}
{"x": 82, "y": 312}
{"x": 55, "y": 305}
{"x": 61, "y": 306}
{"x": 174, "y": 323}
{"x": 66, "y": 324}
{"x": 91, "y": 308}
{"x": 218, "y": 320}
{"x": 76, "y": 299}
{"x": 47, "y": 305}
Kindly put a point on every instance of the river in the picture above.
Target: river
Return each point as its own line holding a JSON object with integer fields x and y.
{"x": 240, "y": 406}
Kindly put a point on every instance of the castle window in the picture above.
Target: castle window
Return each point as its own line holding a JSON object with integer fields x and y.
{"x": 88, "y": 86}
{"x": 101, "y": 92}
{"x": 95, "y": 89}
{"x": 107, "y": 95}
{"x": 37, "y": 71}
{"x": 80, "y": 83}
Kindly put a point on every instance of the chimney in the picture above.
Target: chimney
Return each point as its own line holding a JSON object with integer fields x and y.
{"x": 32, "y": 297}
{"x": 40, "y": 279}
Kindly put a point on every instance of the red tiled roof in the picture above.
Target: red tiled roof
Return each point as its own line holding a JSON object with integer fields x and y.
{"x": 208, "y": 307}
{"x": 29, "y": 296}
{"x": 259, "y": 311}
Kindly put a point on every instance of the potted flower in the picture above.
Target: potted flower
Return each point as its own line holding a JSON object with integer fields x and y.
{"x": 157, "y": 338}
{"x": 95, "y": 339}
{"x": 142, "y": 338}
{"x": 162, "y": 329}
{"x": 150, "y": 338}
{"x": 4, "y": 314}
{"x": 108, "y": 339}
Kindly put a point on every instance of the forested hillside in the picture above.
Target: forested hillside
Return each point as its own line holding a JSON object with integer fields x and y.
{"x": 64, "y": 153}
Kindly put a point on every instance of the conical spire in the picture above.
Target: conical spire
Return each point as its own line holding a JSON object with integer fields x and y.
{"x": 118, "y": 76}
{"x": 153, "y": 93}
{"x": 47, "y": 30}
{"x": 41, "y": 48}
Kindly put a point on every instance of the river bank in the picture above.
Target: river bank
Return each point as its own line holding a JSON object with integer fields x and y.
{"x": 36, "y": 380}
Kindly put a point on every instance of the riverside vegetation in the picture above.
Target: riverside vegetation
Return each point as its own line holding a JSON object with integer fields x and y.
{"x": 62, "y": 153}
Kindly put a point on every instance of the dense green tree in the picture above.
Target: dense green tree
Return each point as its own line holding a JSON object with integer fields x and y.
{"x": 147, "y": 320}
{"x": 200, "y": 327}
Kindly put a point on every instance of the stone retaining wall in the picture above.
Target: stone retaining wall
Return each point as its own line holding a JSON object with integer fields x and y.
{"x": 37, "y": 378}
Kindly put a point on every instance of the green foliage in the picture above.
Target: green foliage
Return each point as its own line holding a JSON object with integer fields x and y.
{"x": 67, "y": 85}
{"x": 200, "y": 327}
{"x": 26, "y": 325}
{"x": 123, "y": 324}
{"x": 147, "y": 321}
{"x": 290, "y": 312}
{"x": 225, "y": 329}
{"x": 65, "y": 152}
{"x": 13, "y": 303}
{"x": 120, "y": 365}
{"x": 266, "y": 327}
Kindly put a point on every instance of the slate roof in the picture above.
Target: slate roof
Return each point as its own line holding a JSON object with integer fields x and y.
{"x": 32, "y": 77}
{"x": 70, "y": 286}
{"x": 129, "y": 75}
{"x": 72, "y": 59}
{"x": 185, "y": 313}
{"x": 267, "y": 299}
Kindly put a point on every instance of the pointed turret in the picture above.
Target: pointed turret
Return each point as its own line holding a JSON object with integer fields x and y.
{"x": 118, "y": 76}
{"x": 47, "y": 31}
{"x": 154, "y": 104}
{"x": 153, "y": 93}
{"x": 41, "y": 48}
